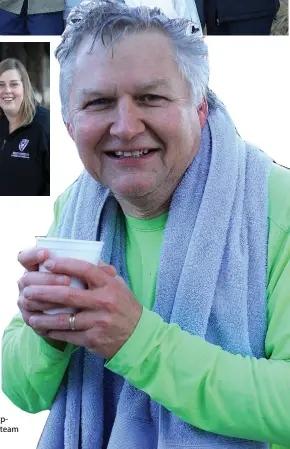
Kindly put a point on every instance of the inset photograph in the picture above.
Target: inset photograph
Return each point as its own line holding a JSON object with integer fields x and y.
{"x": 24, "y": 119}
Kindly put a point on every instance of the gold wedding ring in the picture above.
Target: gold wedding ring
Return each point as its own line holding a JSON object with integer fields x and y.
{"x": 72, "y": 320}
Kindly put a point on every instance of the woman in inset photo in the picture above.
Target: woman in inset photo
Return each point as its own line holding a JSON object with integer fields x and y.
{"x": 24, "y": 134}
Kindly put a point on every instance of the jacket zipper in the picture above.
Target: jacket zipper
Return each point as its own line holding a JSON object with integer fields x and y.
{"x": 217, "y": 14}
{"x": 1, "y": 153}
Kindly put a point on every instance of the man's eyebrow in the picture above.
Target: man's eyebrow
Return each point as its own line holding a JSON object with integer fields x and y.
{"x": 163, "y": 82}
{"x": 138, "y": 88}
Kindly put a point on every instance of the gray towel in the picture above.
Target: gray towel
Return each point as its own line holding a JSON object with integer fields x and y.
{"x": 211, "y": 281}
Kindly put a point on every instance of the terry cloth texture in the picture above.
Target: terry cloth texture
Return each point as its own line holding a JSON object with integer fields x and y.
{"x": 212, "y": 273}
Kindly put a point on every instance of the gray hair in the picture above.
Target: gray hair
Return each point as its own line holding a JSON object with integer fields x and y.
{"x": 109, "y": 19}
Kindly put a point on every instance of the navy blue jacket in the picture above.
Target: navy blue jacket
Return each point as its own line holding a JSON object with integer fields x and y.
{"x": 228, "y": 10}
{"x": 24, "y": 157}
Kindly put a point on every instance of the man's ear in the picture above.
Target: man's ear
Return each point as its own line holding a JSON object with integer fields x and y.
{"x": 70, "y": 130}
{"x": 203, "y": 113}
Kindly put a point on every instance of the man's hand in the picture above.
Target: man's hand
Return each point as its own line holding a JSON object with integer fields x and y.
{"x": 108, "y": 315}
{"x": 30, "y": 260}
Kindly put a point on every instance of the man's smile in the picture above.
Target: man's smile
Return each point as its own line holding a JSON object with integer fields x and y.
{"x": 134, "y": 153}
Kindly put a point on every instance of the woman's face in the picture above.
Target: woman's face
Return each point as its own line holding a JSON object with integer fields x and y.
{"x": 11, "y": 92}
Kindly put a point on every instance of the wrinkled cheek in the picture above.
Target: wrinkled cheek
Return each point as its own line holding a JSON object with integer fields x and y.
{"x": 86, "y": 141}
{"x": 83, "y": 133}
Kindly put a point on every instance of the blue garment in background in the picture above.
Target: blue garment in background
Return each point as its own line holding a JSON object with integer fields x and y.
{"x": 49, "y": 24}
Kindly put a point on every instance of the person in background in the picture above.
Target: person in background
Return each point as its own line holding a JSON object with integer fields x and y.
{"x": 172, "y": 8}
{"x": 31, "y": 17}
{"x": 246, "y": 17}
{"x": 224, "y": 17}
{"x": 184, "y": 342}
{"x": 24, "y": 135}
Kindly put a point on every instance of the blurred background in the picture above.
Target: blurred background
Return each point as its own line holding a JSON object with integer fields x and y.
{"x": 36, "y": 58}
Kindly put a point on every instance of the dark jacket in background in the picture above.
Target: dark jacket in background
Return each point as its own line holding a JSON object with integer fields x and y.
{"x": 25, "y": 157}
{"x": 200, "y": 9}
{"x": 231, "y": 10}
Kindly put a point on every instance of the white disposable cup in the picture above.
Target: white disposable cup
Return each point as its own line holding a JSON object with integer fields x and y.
{"x": 75, "y": 249}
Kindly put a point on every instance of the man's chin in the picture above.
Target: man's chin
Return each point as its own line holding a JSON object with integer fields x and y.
{"x": 131, "y": 191}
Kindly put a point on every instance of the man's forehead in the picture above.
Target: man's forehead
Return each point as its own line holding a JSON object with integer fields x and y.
{"x": 152, "y": 67}
{"x": 90, "y": 46}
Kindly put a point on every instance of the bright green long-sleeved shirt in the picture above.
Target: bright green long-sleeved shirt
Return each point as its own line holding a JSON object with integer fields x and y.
{"x": 201, "y": 383}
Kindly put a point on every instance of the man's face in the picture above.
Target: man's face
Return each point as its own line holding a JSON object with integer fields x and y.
{"x": 131, "y": 102}
{"x": 11, "y": 92}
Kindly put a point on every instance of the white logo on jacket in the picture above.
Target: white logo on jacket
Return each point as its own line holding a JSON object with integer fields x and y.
{"x": 23, "y": 144}
{"x": 19, "y": 154}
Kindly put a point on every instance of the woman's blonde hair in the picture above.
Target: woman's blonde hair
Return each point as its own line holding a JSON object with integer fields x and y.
{"x": 28, "y": 106}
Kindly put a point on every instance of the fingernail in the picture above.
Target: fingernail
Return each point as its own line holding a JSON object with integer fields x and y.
{"x": 40, "y": 255}
{"x": 27, "y": 292}
{"x": 61, "y": 279}
{"x": 32, "y": 321}
{"x": 49, "y": 264}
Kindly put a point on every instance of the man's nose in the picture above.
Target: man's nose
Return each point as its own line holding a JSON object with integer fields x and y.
{"x": 128, "y": 121}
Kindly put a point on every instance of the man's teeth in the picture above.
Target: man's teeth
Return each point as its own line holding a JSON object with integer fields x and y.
{"x": 130, "y": 154}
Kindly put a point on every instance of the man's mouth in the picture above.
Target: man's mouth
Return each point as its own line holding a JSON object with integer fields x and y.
{"x": 134, "y": 154}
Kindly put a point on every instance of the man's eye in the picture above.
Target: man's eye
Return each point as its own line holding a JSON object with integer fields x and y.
{"x": 99, "y": 102}
{"x": 150, "y": 98}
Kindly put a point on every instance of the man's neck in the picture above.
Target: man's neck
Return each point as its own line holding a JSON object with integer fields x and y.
{"x": 144, "y": 213}
{"x": 149, "y": 206}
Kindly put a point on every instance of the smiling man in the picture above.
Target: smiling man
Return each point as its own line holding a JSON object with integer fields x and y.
{"x": 139, "y": 131}
{"x": 182, "y": 338}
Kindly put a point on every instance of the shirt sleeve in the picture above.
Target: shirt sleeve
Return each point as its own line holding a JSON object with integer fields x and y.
{"x": 210, "y": 388}
{"x": 32, "y": 369}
